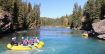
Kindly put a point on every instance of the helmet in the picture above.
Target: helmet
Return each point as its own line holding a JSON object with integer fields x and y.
{"x": 22, "y": 37}
{"x": 12, "y": 38}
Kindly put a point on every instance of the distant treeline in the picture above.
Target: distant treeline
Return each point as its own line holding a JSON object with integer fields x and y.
{"x": 24, "y": 15}
{"x": 45, "y": 21}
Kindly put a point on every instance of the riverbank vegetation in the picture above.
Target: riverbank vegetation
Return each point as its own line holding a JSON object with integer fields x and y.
{"x": 19, "y": 14}
{"x": 45, "y": 21}
{"x": 92, "y": 12}
{"x": 81, "y": 18}
{"x": 85, "y": 18}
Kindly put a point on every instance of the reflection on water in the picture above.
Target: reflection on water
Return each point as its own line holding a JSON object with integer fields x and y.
{"x": 59, "y": 40}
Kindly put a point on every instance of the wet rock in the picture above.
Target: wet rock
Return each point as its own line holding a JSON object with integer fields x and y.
{"x": 101, "y": 36}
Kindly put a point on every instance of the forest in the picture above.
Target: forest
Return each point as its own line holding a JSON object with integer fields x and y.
{"x": 18, "y": 15}
{"x": 22, "y": 15}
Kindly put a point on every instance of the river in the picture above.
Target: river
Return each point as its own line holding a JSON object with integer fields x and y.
{"x": 60, "y": 40}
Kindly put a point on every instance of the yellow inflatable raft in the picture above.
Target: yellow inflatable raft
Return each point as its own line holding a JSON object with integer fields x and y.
{"x": 20, "y": 47}
{"x": 85, "y": 35}
{"x": 40, "y": 45}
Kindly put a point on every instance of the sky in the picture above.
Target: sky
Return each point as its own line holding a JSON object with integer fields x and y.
{"x": 56, "y": 8}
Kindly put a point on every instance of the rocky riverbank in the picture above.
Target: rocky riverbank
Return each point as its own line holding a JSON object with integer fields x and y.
{"x": 5, "y": 21}
{"x": 99, "y": 28}
{"x": 7, "y": 25}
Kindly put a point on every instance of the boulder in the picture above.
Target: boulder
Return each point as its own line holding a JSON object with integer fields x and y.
{"x": 99, "y": 27}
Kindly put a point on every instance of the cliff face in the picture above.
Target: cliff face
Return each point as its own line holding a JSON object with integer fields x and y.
{"x": 99, "y": 27}
{"x": 5, "y": 21}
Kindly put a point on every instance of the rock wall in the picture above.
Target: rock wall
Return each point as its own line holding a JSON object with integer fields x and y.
{"x": 5, "y": 21}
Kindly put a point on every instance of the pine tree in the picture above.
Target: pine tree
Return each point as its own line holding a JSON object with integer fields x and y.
{"x": 90, "y": 10}
{"x": 37, "y": 14}
{"x": 90, "y": 15}
{"x": 76, "y": 16}
{"x": 102, "y": 9}
{"x": 98, "y": 9}
{"x": 15, "y": 14}
{"x": 29, "y": 7}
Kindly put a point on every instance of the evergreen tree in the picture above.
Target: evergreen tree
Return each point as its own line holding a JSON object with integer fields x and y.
{"x": 76, "y": 16}
{"x": 15, "y": 14}
{"x": 29, "y": 7}
{"x": 102, "y": 9}
{"x": 90, "y": 15}
{"x": 98, "y": 9}
{"x": 22, "y": 13}
{"x": 90, "y": 10}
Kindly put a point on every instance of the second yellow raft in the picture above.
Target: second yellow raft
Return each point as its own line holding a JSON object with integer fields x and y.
{"x": 85, "y": 35}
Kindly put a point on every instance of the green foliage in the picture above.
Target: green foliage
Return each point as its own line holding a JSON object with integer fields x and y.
{"x": 29, "y": 7}
{"x": 76, "y": 16}
{"x": 7, "y": 5}
{"x": 22, "y": 12}
{"x": 33, "y": 17}
{"x": 93, "y": 10}
{"x": 102, "y": 9}
{"x": 98, "y": 9}
{"x": 52, "y": 22}
{"x": 90, "y": 10}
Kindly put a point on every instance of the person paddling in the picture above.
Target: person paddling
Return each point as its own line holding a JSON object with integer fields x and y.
{"x": 25, "y": 42}
{"x": 14, "y": 42}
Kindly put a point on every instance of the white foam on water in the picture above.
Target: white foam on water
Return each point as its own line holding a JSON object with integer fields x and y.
{"x": 15, "y": 52}
{"x": 53, "y": 49}
{"x": 35, "y": 51}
